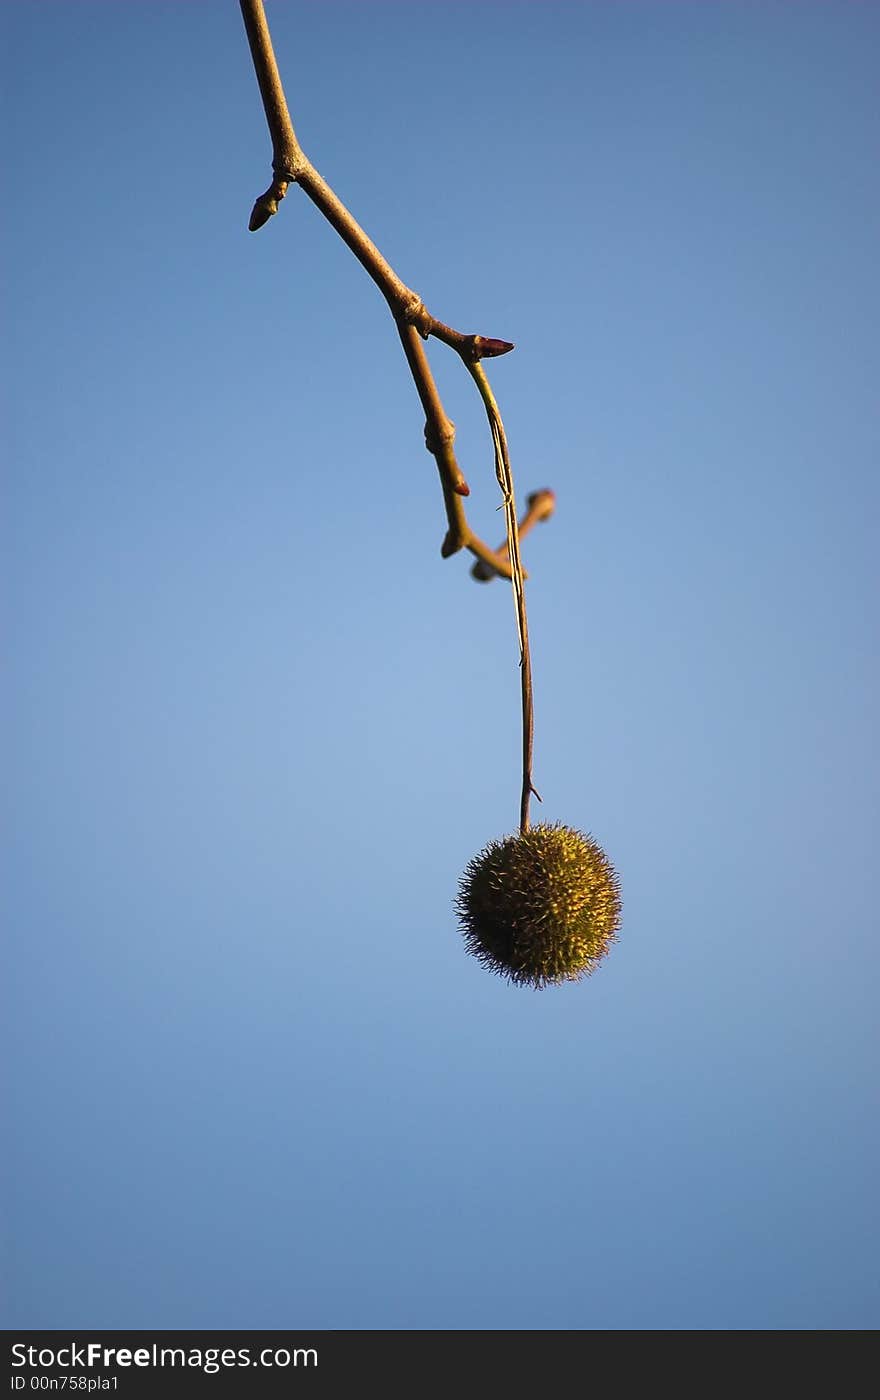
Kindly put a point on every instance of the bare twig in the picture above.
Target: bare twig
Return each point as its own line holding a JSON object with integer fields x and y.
{"x": 415, "y": 324}
{"x": 290, "y": 166}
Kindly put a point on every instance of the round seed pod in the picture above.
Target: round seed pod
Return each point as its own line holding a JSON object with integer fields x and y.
{"x": 540, "y": 907}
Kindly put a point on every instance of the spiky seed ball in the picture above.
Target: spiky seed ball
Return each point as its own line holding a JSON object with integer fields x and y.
{"x": 540, "y": 907}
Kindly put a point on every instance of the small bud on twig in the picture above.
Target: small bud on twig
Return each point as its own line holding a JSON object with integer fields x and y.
{"x": 267, "y": 205}
{"x": 262, "y": 213}
{"x": 485, "y": 348}
{"x": 541, "y": 504}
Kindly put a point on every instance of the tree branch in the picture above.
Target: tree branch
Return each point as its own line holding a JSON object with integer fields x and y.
{"x": 415, "y": 324}
{"x": 290, "y": 166}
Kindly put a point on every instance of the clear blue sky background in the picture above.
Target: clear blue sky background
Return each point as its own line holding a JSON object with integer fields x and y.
{"x": 257, "y": 727}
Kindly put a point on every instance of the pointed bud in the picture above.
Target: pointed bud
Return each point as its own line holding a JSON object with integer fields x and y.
{"x": 262, "y": 212}
{"x": 484, "y": 348}
{"x": 483, "y": 572}
{"x": 542, "y": 503}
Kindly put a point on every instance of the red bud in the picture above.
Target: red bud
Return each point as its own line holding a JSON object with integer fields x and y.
{"x": 487, "y": 349}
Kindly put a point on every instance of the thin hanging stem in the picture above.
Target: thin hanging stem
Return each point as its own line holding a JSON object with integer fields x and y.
{"x": 415, "y": 325}
{"x": 505, "y": 480}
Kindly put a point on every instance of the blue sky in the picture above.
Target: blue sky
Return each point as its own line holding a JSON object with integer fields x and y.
{"x": 257, "y": 727}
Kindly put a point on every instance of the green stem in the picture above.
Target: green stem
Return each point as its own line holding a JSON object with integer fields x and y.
{"x": 504, "y": 474}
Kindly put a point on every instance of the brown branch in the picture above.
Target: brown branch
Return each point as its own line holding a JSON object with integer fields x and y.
{"x": 415, "y": 324}
{"x": 290, "y": 166}
{"x": 439, "y": 430}
{"x": 286, "y": 153}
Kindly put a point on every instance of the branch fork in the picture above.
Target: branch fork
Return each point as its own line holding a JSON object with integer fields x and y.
{"x": 415, "y": 324}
